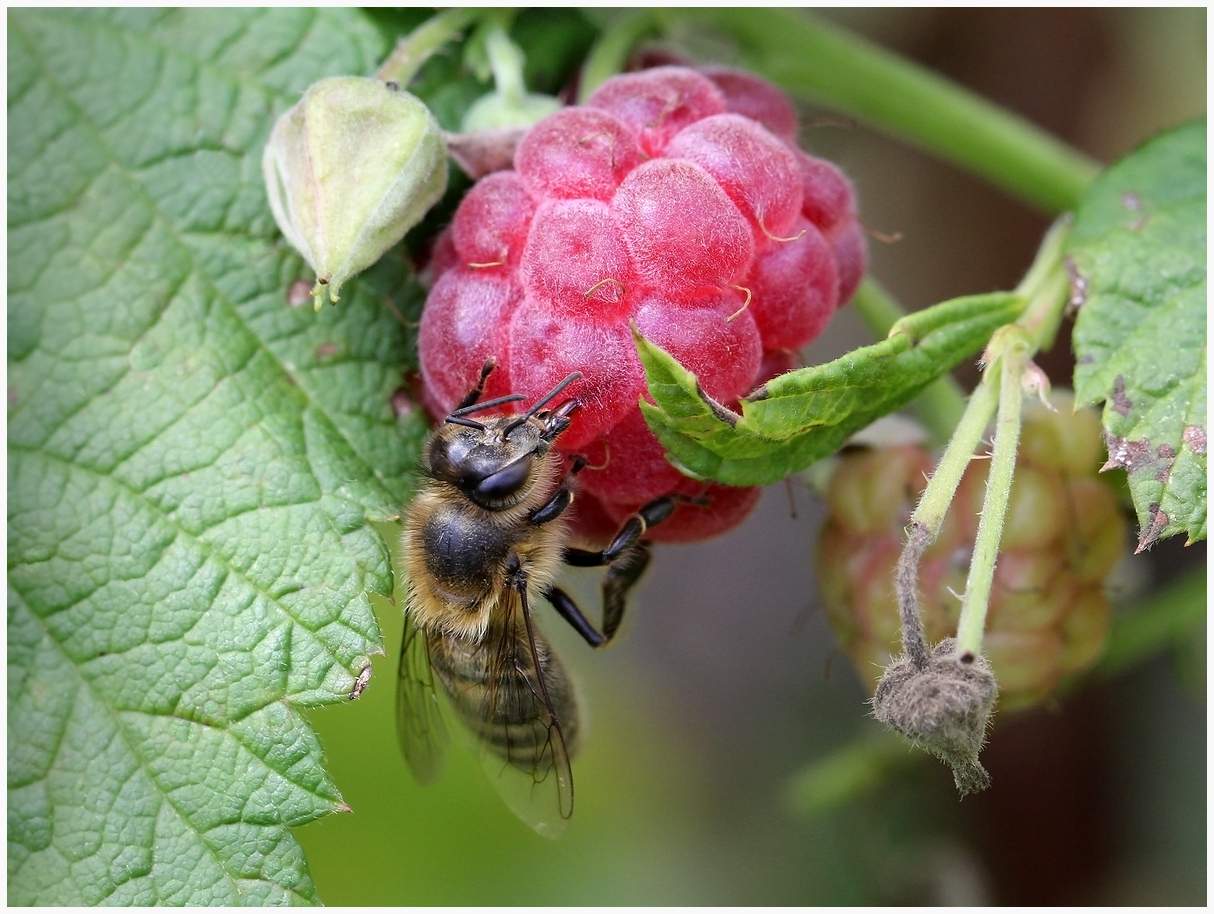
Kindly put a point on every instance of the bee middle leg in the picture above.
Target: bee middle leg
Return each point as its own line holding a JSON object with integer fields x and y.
{"x": 626, "y": 559}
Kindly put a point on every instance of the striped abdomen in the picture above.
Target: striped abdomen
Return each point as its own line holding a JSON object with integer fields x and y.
{"x": 494, "y": 689}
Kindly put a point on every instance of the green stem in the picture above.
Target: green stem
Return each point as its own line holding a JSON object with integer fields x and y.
{"x": 941, "y": 488}
{"x": 940, "y": 407}
{"x": 855, "y": 77}
{"x": 610, "y": 53}
{"x": 413, "y": 50}
{"x": 506, "y": 60}
{"x": 1013, "y": 355}
{"x": 1046, "y": 286}
{"x": 877, "y": 307}
{"x": 929, "y": 515}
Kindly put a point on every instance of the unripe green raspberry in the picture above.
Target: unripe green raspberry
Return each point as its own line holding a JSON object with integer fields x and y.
{"x": 1048, "y": 616}
{"x": 1036, "y": 510}
{"x": 871, "y": 490}
{"x": 1028, "y": 592}
{"x": 1027, "y": 664}
{"x": 1099, "y": 537}
{"x": 348, "y": 170}
{"x": 1084, "y": 629}
{"x": 1065, "y": 438}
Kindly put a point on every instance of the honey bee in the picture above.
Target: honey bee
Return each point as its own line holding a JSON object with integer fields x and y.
{"x": 484, "y": 539}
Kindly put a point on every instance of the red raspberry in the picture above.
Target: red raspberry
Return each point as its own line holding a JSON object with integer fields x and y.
{"x": 684, "y": 233}
{"x": 752, "y": 166}
{"x": 677, "y": 200}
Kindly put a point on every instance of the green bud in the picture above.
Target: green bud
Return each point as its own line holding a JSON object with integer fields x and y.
{"x": 509, "y": 104}
{"x": 351, "y": 168}
{"x": 497, "y": 111}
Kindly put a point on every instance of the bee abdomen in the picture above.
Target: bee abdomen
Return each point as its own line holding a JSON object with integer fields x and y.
{"x": 504, "y": 708}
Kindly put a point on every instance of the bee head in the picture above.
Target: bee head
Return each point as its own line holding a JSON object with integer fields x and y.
{"x": 497, "y": 462}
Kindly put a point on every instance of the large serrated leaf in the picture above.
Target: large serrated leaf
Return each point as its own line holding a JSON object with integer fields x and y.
{"x": 1138, "y": 261}
{"x": 191, "y": 461}
{"x": 800, "y": 417}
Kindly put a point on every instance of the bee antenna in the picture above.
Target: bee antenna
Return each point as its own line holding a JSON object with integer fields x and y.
{"x": 542, "y": 402}
{"x": 457, "y": 415}
{"x": 469, "y": 423}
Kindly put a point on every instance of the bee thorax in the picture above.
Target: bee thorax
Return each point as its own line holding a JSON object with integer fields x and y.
{"x": 462, "y": 552}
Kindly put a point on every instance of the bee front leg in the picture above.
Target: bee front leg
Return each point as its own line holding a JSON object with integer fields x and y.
{"x": 561, "y": 500}
{"x": 474, "y": 395}
{"x": 624, "y": 572}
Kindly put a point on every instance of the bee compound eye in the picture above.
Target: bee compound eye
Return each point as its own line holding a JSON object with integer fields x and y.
{"x": 441, "y": 466}
{"x": 505, "y": 482}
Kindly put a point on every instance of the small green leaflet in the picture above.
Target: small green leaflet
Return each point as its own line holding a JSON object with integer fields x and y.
{"x": 802, "y": 416}
{"x": 191, "y": 461}
{"x": 1137, "y": 259}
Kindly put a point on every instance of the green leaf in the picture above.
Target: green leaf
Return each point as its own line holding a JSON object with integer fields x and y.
{"x": 802, "y": 416}
{"x": 191, "y": 460}
{"x": 1137, "y": 257}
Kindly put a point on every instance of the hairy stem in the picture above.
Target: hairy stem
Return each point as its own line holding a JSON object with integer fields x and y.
{"x": 941, "y": 488}
{"x": 413, "y": 50}
{"x": 929, "y": 515}
{"x": 1011, "y": 364}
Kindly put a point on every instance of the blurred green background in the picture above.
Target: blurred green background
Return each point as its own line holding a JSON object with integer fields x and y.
{"x": 726, "y": 685}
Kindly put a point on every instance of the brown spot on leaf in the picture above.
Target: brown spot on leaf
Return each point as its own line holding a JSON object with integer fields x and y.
{"x": 1195, "y": 437}
{"x": 1079, "y": 285}
{"x": 1125, "y": 454}
{"x": 1167, "y": 457}
{"x": 1153, "y": 530}
{"x": 1121, "y": 403}
{"x": 1131, "y": 201}
{"x": 326, "y": 350}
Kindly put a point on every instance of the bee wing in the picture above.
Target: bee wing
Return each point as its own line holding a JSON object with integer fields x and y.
{"x": 420, "y": 727}
{"x": 528, "y": 761}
